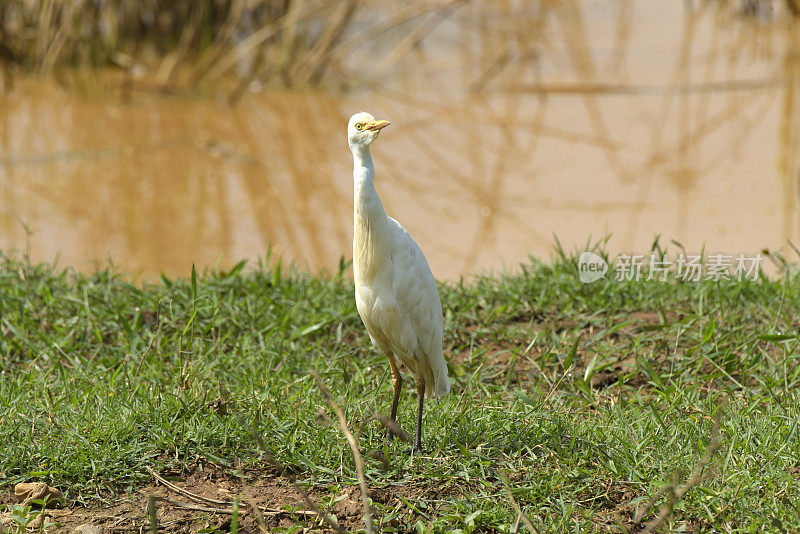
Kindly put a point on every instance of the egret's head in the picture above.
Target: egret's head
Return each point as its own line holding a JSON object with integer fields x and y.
{"x": 363, "y": 129}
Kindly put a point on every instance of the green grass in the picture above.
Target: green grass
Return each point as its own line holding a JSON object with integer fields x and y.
{"x": 587, "y": 398}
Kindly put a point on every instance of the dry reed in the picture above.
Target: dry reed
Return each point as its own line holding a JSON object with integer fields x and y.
{"x": 168, "y": 45}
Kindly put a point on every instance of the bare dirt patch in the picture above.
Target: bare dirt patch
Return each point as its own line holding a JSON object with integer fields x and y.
{"x": 280, "y": 502}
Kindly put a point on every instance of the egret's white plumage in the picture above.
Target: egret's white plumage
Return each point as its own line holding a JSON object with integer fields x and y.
{"x": 396, "y": 293}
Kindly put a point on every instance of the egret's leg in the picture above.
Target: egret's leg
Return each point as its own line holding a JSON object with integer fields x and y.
{"x": 397, "y": 382}
{"x": 420, "y": 403}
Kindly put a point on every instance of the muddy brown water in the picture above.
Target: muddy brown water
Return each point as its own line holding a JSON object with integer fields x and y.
{"x": 509, "y": 125}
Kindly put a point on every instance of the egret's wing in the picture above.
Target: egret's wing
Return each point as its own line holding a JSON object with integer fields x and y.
{"x": 418, "y": 298}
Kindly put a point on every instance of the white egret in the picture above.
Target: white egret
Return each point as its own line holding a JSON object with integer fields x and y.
{"x": 396, "y": 294}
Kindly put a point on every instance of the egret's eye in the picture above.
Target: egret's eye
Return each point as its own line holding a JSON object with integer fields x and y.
{"x": 359, "y": 126}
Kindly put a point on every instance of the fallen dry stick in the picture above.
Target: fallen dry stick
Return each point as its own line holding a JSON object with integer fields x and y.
{"x": 206, "y": 500}
{"x": 327, "y": 518}
{"x": 675, "y": 492}
{"x": 259, "y": 515}
{"x": 520, "y": 513}
{"x": 191, "y": 496}
{"x": 198, "y": 508}
{"x": 362, "y": 482}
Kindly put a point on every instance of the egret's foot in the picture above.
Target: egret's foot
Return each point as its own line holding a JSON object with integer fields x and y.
{"x": 416, "y": 449}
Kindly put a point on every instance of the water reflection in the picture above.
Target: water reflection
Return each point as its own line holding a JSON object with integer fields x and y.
{"x": 512, "y": 122}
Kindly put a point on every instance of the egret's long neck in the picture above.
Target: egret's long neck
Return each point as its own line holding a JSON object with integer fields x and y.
{"x": 369, "y": 218}
{"x": 367, "y": 203}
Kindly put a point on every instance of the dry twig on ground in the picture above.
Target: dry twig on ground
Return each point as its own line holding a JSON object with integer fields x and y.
{"x": 675, "y": 492}
{"x": 362, "y": 482}
{"x": 520, "y": 513}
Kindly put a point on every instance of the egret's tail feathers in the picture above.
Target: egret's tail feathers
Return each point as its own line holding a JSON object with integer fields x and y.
{"x": 442, "y": 385}
{"x": 434, "y": 371}
{"x": 440, "y": 377}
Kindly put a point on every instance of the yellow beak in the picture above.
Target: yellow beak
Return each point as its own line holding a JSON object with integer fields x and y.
{"x": 375, "y": 126}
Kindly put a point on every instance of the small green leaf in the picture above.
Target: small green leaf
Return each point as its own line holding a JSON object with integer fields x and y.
{"x": 709, "y": 331}
{"x": 44, "y": 473}
{"x": 276, "y": 273}
{"x": 470, "y": 519}
{"x": 572, "y": 352}
{"x": 236, "y": 268}
{"x": 707, "y": 491}
{"x": 650, "y": 371}
{"x": 778, "y": 337}
{"x": 343, "y": 265}
{"x": 234, "y": 515}
{"x": 589, "y": 372}
{"x": 311, "y": 328}
{"x": 194, "y": 283}
{"x": 526, "y": 399}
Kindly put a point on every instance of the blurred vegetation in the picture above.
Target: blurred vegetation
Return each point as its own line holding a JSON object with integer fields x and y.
{"x": 267, "y": 39}
{"x": 290, "y": 43}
